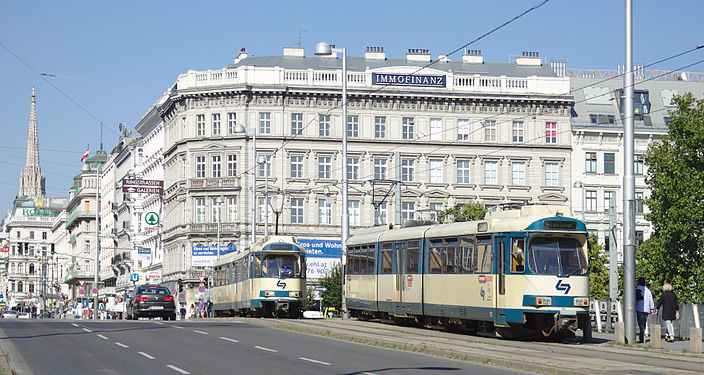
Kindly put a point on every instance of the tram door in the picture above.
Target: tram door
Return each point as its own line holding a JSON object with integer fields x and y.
{"x": 399, "y": 267}
{"x": 500, "y": 267}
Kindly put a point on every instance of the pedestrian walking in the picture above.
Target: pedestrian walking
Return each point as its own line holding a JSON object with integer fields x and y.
{"x": 670, "y": 310}
{"x": 182, "y": 312}
{"x": 192, "y": 311}
{"x": 644, "y": 306}
{"x": 209, "y": 308}
{"x": 201, "y": 308}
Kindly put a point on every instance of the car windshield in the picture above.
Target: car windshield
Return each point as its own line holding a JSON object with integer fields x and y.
{"x": 281, "y": 266}
{"x": 154, "y": 290}
{"x": 556, "y": 256}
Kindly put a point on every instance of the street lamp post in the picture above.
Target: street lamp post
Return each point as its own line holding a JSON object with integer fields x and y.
{"x": 240, "y": 129}
{"x": 219, "y": 201}
{"x": 580, "y": 185}
{"x": 324, "y": 49}
{"x": 264, "y": 160}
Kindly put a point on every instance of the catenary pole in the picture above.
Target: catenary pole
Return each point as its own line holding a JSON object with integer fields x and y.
{"x": 629, "y": 251}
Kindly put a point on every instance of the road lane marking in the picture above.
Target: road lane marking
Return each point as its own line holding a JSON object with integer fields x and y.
{"x": 228, "y": 339}
{"x": 121, "y": 344}
{"x": 178, "y": 327}
{"x": 75, "y": 325}
{"x": 146, "y": 355}
{"x": 87, "y": 330}
{"x": 102, "y": 337}
{"x": 267, "y": 349}
{"x": 314, "y": 361}
{"x": 178, "y": 369}
{"x": 368, "y": 373}
{"x": 201, "y": 332}
{"x": 159, "y": 323}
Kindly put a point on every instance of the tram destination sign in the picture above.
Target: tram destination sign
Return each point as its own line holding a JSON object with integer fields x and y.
{"x": 133, "y": 185}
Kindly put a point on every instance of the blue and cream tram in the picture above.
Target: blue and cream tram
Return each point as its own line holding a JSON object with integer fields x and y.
{"x": 268, "y": 279}
{"x": 517, "y": 272}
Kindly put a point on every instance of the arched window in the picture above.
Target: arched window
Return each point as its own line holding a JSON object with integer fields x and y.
{"x": 12, "y": 268}
{"x": 31, "y": 269}
{"x": 31, "y": 287}
{"x": 20, "y": 267}
{"x": 20, "y": 287}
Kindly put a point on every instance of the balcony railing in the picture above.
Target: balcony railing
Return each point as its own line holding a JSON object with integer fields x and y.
{"x": 214, "y": 183}
{"x": 76, "y": 214}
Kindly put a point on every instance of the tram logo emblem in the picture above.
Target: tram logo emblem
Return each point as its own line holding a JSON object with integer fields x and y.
{"x": 561, "y": 286}
{"x": 281, "y": 284}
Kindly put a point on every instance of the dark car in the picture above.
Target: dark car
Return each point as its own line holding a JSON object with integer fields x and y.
{"x": 151, "y": 301}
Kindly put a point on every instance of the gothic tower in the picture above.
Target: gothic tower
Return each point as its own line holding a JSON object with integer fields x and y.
{"x": 32, "y": 179}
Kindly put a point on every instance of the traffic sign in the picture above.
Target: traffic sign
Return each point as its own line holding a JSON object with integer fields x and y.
{"x": 133, "y": 185}
{"x": 118, "y": 299}
{"x": 81, "y": 291}
{"x": 201, "y": 289}
{"x": 151, "y": 218}
{"x": 201, "y": 278}
{"x": 321, "y": 289}
{"x": 101, "y": 306}
{"x": 85, "y": 303}
{"x": 134, "y": 277}
{"x": 95, "y": 290}
{"x": 81, "y": 282}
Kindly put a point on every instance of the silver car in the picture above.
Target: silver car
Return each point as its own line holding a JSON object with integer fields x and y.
{"x": 9, "y": 314}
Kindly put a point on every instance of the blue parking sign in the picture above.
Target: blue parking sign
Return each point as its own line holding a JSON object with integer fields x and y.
{"x": 134, "y": 277}
{"x": 85, "y": 303}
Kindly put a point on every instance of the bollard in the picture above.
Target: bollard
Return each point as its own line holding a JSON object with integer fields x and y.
{"x": 619, "y": 333}
{"x": 655, "y": 337}
{"x": 695, "y": 340}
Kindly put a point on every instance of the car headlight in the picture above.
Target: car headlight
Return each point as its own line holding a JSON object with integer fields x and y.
{"x": 581, "y": 301}
{"x": 543, "y": 301}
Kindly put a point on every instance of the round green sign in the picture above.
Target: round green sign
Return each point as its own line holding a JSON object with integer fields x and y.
{"x": 152, "y": 218}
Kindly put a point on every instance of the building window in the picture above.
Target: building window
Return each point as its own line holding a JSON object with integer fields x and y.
{"x": 639, "y": 202}
{"x": 31, "y": 232}
{"x": 435, "y": 129}
{"x": 353, "y": 126}
{"x": 215, "y": 210}
{"x": 264, "y": 122}
{"x": 296, "y": 166}
{"x": 200, "y": 166}
{"x": 352, "y": 168}
{"x": 324, "y": 125}
{"x": 408, "y": 210}
{"x": 380, "y": 127}
{"x": 216, "y": 123}
{"x": 517, "y": 131}
{"x": 380, "y": 168}
{"x": 324, "y": 211}
{"x": 638, "y": 164}
{"x": 44, "y": 235}
{"x": 590, "y": 200}
{"x": 407, "y": 128}
{"x": 463, "y": 130}
{"x": 551, "y": 177}
{"x": 263, "y": 205}
{"x": 609, "y": 199}
{"x": 435, "y": 209}
{"x": 200, "y": 210}
{"x": 353, "y": 212}
{"x": 296, "y": 123}
{"x": 463, "y": 168}
{"x": 609, "y": 163}
{"x": 490, "y": 131}
{"x": 265, "y": 168}
{"x": 231, "y": 122}
{"x": 518, "y": 173}
{"x": 200, "y": 125}
{"x": 231, "y": 165}
{"x": 216, "y": 166}
{"x": 19, "y": 234}
{"x": 590, "y": 162}
{"x": 639, "y": 237}
{"x": 231, "y": 209}
{"x": 551, "y": 132}
{"x": 490, "y": 172}
{"x": 381, "y": 214}
{"x": 296, "y": 210}
{"x": 436, "y": 175}
{"x": 324, "y": 166}
{"x": 408, "y": 168}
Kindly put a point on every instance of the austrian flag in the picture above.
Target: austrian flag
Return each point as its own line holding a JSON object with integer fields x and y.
{"x": 85, "y": 154}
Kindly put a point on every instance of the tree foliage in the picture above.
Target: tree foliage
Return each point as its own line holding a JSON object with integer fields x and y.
{"x": 675, "y": 175}
{"x": 333, "y": 281}
{"x": 598, "y": 271}
{"x": 463, "y": 212}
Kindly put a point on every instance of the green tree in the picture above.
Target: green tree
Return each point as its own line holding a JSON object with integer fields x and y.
{"x": 598, "y": 271}
{"x": 463, "y": 212}
{"x": 675, "y": 175}
{"x": 333, "y": 281}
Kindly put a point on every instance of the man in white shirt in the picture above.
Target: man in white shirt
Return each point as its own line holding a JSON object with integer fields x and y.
{"x": 644, "y": 306}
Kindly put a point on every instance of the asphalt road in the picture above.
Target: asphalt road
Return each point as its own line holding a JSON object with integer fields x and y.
{"x": 199, "y": 347}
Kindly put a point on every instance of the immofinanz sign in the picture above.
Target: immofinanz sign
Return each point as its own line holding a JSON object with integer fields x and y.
{"x": 133, "y": 185}
{"x": 382, "y": 79}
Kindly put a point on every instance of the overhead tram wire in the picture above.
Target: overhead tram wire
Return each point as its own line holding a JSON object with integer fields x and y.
{"x": 59, "y": 90}
{"x": 82, "y": 79}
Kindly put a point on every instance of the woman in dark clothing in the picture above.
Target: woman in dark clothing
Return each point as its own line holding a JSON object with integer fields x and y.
{"x": 670, "y": 310}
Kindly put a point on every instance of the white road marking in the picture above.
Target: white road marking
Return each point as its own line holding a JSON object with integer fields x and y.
{"x": 201, "y": 332}
{"x": 228, "y": 339}
{"x": 87, "y": 330}
{"x": 102, "y": 337}
{"x": 314, "y": 361}
{"x": 267, "y": 349}
{"x": 177, "y": 327}
{"x": 146, "y": 355}
{"x": 121, "y": 344}
{"x": 159, "y": 323}
{"x": 75, "y": 325}
{"x": 368, "y": 373}
{"x": 178, "y": 369}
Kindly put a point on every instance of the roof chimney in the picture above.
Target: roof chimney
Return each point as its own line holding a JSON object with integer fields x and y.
{"x": 242, "y": 55}
{"x": 473, "y": 56}
{"x": 374, "y": 53}
{"x": 421, "y": 55}
{"x": 529, "y": 58}
{"x": 293, "y": 51}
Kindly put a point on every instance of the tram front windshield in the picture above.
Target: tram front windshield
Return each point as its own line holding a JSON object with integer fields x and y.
{"x": 556, "y": 256}
{"x": 281, "y": 266}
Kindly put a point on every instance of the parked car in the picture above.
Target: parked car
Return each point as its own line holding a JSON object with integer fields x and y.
{"x": 9, "y": 314}
{"x": 24, "y": 315}
{"x": 151, "y": 301}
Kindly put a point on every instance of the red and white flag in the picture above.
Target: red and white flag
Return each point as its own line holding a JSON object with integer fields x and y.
{"x": 85, "y": 154}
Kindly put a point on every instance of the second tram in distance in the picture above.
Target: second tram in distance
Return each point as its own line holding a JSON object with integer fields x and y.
{"x": 266, "y": 280}
{"x": 518, "y": 272}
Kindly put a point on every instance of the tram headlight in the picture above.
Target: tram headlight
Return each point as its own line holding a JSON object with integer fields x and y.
{"x": 269, "y": 293}
{"x": 581, "y": 301}
{"x": 294, "y": 294}
{"x": 543, "y": 301}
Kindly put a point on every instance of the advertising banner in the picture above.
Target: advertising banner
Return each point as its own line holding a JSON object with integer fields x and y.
{"x": 206, "y": 255}
{"x": 321, "y": 255}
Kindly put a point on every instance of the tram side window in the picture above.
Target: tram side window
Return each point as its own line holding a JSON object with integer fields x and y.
{"x": 518, "y": 261}
{"x": 466, "y": 255}
{"x": 353, "y": 261}
{"x": 386, "y": 251}
{"x": 258, "y": 266}
{"x": 435, "y": 256}
{"x": 484, "y": 254}
{"x": 450, "y": 256}
{"x": 412, "y": 252}
{"x": 371, "y": 261}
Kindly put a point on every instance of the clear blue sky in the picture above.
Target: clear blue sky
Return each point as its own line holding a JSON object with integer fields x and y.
{"x": 116, "y": 58}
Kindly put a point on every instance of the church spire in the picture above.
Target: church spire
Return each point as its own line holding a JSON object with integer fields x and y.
{"x": 32, "y": 179}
